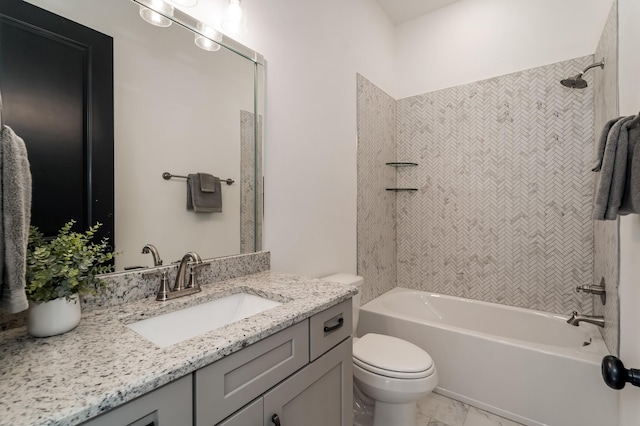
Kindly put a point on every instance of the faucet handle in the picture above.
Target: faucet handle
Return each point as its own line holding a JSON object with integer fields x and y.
{"x": 163, "y": 291}
{"x": 192, "y": 279}
{"x": 192, "y": 273}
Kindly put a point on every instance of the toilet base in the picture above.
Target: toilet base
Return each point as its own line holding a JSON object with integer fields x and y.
{"x": 362, "y": 408}
{"x": 386, "y": 414}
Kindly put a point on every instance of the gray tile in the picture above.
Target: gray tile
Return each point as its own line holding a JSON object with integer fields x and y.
{"x": 605, "y": 238}
{"x": 376, "y": 206}
{"x": 502, "y": 213}
{"x": 443, "y": 409}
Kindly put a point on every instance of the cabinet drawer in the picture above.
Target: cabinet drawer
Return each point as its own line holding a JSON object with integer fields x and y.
{"x": 226, "y": 385}
{"x": 329, "y": 327}
{"x": 169, "y": 405}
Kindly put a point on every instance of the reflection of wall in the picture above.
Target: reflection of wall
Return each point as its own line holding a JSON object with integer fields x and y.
{"x": 605, "y": 233}
{"x": 376, "y": 206}
{"x": 156, "y": 130}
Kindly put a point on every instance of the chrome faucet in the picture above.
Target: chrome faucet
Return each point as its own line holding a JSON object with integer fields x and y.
{"x": 150, "y": 248}
{"x": 576, "y": 319}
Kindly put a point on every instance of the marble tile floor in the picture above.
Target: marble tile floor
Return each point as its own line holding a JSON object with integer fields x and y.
{"x": 438, "y": 410}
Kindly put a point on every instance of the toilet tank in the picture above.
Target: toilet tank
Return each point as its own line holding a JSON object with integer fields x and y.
{"x": 354, "y": 280}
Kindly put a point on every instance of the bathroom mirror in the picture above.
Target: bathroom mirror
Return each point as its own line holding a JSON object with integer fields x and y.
{"x": 178, "y": 109}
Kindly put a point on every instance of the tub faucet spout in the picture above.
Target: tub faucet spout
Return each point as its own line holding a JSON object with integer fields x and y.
{"x": 576, "y": 319}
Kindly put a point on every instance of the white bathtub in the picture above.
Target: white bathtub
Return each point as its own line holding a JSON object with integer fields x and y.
{"x": 525, "y": 365}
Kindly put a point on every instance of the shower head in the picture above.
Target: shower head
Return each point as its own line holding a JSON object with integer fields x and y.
{"x": 577, "y": 82}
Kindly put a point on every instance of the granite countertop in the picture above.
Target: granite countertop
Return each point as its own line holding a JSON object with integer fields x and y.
{"x": 67, "y": 379}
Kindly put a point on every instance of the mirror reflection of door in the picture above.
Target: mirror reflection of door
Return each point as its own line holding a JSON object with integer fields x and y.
{"x": 56, "y": 79}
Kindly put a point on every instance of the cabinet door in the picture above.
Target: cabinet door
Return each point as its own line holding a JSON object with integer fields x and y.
{"x": 230, "y": 383}
{"x": 170, "y": 405}
{"x": 320, "y": 394}
{"x": 251, "y": 415}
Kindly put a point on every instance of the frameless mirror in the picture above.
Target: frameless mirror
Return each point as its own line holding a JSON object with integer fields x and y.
{"x": 181, "y": 109}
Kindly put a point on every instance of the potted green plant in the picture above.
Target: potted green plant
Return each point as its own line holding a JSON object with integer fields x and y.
{"x": 58, "y": 270}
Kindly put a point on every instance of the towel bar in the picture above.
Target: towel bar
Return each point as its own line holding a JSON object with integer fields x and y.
{"x": 167, "y": 176}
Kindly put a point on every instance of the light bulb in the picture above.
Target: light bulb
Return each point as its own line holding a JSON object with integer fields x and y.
{"x": 208, "y": 38}
{"x": 154, "y": 11}
{"x": 235, "y": 21}
{"x": 234, "y": 11}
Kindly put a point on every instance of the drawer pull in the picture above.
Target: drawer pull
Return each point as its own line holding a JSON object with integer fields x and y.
{"x": 152, "y": 424}
{"x": 334, "y": 327}
{"x": 276, "y": 420}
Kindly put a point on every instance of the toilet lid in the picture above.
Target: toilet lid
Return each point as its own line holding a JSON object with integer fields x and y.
{"x": 390, "y": 356}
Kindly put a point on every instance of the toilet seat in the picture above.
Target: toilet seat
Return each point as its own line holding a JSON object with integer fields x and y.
{"x": 392, "y": 357}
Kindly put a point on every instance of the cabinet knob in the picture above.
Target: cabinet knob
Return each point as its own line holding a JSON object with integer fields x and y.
{"x": 276, "y": 420}
{"x": 616, "y": 376}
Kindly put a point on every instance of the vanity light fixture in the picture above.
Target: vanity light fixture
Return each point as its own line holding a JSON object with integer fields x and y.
{"x": 208, "y": 38}
{"x": 235, "y": 22}
{"x": 153, "y": 13}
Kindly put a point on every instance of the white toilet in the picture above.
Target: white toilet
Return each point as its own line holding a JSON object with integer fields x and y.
{"x": 389, "y": 373}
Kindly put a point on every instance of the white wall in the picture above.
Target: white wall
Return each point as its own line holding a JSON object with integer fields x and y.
{"x": 474, "y": 40}
{"x": 313, "y": 51}
{"x": 629, "y": 64}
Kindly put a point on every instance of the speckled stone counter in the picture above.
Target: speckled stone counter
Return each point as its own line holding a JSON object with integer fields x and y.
{"x": 67, "y": 379}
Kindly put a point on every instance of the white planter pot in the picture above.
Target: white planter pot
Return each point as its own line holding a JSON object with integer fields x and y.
{"x": 53, "y": 317}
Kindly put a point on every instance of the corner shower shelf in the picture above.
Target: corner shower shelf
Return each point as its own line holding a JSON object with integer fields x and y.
{"x": 401, "y": 164}
{"x": 402, "y": 189}
{"x": 398, "y": 164}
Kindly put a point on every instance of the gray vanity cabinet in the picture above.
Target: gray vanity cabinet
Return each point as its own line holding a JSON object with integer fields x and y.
{"x": 172, "y": 404}
{"x": 303, "y": 374}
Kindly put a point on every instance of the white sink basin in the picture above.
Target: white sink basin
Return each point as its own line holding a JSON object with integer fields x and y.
{"x": 175, "y": 327}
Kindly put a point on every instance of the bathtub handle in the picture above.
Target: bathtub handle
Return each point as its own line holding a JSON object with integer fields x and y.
{"x": 616, "y": 376}
{"x": 329, "y": 329}
{"x": 275, "y": 419}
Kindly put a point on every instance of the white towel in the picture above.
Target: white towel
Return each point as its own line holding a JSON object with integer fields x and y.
{"x": 15, "y": 212}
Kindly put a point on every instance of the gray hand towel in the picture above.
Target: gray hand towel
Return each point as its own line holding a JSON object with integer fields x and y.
{"x": 602, "y": 142}
{"x": 208, "y": 182}
{"x": 610, "y": 187}
{"x": 16, "y": 216}
{"x": 631, "y": 197}
{"x": 200, "y": 201}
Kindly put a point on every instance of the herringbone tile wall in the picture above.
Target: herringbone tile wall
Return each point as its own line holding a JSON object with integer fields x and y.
{"x": 376, "y": 206}
{"x": 503, "y": 208}
{"x": 250, "y": 165}
{"x": 605, "y": 233}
